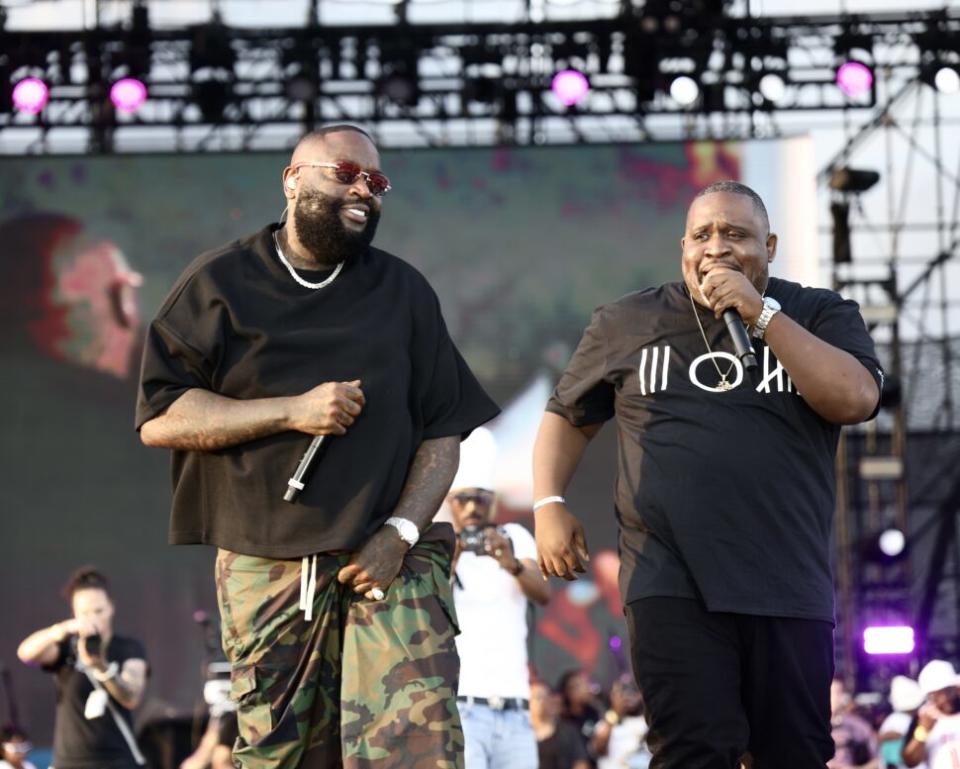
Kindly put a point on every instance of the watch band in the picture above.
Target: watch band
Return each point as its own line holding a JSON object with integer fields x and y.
{"x": 766, "y": 314}
{"x": 406, "y": 528}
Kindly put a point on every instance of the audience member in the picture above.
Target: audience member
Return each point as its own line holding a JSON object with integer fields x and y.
{"x": 619, "y": 738}
{"x": 16, "y": 746}
{"x": 856, "y": 744}
{"x": 559, "y": 745}
{"x": 905, "y": 698}
{"x": 935, "y": 731}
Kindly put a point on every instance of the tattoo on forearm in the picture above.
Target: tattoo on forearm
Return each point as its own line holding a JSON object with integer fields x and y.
{"x": 199, "y": 422}
{"x": 428, "y": 481}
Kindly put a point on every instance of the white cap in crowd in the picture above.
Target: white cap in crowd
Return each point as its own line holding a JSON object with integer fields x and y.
{"x": 937, "y": 675}
{"x": 478, "y": 462}
{"x": 905, "y": 694}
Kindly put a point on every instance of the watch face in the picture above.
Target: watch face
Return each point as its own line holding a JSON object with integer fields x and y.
{"x": 772, "y": 303}
{"x": 408, "y": 531}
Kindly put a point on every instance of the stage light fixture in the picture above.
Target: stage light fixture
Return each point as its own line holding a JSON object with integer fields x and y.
{"x": 212, "y": 97}
{"x": 400, "y": 89}
{"x": 212, "y": 61}
{"x": 946, "y": 79}
{"x": 854, "y": 78}
{"x": 684, "y": 90}
{"x": 128, "y": 95}
{"x": 889, "y": 639}
{"x": 570, "y": 86}
{"x": 301, "y": 76}
{"x": 399, "y": 80}
{"x": 846, "y": 179}
{"x": 30, "y": 95}
{"x": 892, "y": 542}
{"x": 772, "y": 87}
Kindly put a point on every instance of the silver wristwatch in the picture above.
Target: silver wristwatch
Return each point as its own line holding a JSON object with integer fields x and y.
{"x": 406, "y": 528}
{"x": 770, "y": 308}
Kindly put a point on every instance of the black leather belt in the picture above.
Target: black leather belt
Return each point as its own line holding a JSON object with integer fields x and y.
{"x": 497, "y": 703}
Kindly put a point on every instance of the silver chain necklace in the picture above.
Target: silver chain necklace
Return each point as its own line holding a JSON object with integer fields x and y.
{"x": 724, "y": 383}
{"x": 293, "y": 272}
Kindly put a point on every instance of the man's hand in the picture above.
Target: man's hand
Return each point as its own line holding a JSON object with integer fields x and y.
{"x": 928, "y": 715}
{"x": 561, "y": 544}
{"x": 376, "y": 564}
{"x": 327, "y": 409}
{"x": 500, "y": 548}
{"x": 725, "y": 288}
{"x": 68, "y": 627}
{"x": 201, "y": 420}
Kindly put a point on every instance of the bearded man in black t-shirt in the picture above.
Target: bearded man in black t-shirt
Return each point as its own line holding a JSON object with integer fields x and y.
{"x": 725, "y": 488}
{"x": 337, "y": 611}
{"x": 100, "y": 679}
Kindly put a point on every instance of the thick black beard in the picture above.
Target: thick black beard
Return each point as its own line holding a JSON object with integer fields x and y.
{"x": 317, "y": 223}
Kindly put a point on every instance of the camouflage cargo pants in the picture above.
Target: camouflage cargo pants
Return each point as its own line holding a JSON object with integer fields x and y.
{"x": 364, "y": 684}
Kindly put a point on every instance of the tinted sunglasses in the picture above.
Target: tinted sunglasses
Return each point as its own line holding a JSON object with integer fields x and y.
{"x": 347, "y": 172}
{"x": 480, "y": 497}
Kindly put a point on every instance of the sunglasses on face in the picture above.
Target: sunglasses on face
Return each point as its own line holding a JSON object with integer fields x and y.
{"x": 347, "y": 172}
{"x": 480, "y": 497}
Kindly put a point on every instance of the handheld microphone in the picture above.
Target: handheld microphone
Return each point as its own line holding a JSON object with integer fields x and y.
{"x": 296, "y": 483}
{"x": 741, "y": 342}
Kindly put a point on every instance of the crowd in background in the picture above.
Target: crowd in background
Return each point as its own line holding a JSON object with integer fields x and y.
{"x": 578, "y": 725}
{"x": 916, "y": 723}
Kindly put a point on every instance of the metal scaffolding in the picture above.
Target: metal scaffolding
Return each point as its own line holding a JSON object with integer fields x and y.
{"x": 215, "y": 87}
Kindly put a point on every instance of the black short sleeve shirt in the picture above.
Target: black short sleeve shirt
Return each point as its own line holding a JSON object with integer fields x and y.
{"x": 725, "y": 495}
{"x": 237, "y": 324}
{"x": 79, "y": 742}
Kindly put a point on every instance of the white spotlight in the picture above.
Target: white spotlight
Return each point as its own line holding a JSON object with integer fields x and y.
{"x": 772, "y": 87}
{"x": 684, "y": 90}
{"x": 892, "y": 542}
{"x": 947, "y": 80}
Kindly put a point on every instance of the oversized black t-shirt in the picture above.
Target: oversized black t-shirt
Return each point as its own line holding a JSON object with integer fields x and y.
{"x": 237, "y": 324}
{"x": 722, "y": 495}
{"x": 79, "y": 742}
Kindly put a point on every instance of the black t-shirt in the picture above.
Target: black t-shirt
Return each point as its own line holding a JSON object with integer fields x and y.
{"x": 237, "y": 324}
{"x": 79, "y": 742}
{"x": 723, "y": 495}
{"x": 562, "y": 749}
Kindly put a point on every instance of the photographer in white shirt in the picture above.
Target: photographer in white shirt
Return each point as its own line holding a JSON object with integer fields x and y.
{"x": 495, "y": 576}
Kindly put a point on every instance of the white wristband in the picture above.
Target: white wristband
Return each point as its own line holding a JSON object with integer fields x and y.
{"x": 548, "y": 501}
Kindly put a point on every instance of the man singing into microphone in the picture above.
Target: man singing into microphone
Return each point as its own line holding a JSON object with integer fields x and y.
{"x": 336, "y": 610}
{"x": 724, "y": 491}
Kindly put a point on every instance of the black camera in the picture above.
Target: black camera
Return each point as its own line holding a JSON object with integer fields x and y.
{"x": 93, "y": 644}
{"x": 473, "y": 538}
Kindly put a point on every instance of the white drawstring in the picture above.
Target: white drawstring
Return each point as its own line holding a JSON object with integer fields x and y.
{"x": 308, "y": 585}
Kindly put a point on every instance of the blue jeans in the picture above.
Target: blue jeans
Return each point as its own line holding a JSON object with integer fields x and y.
{"x": 497, "y": 739}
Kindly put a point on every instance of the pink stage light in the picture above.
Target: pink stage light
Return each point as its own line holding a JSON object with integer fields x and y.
{"x": 570, "y": 86}
{"x": 30, "y": 95}
{"x": 888, "y": 639}
{"x": 854, "y": 78}
{"x": 128, "y": 94}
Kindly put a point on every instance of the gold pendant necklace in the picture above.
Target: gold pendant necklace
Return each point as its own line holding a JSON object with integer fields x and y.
{"x": 724, "y": 383}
